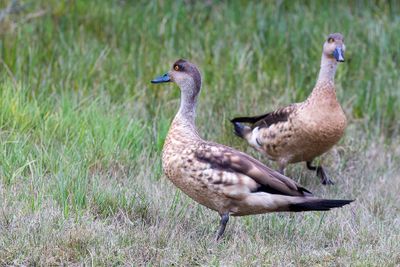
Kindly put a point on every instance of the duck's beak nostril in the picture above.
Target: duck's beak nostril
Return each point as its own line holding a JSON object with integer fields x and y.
{"x": 162, "y": 79}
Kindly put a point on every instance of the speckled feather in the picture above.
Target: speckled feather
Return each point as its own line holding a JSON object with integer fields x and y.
{"x": 220, "y": 177}
{"x": 311, "y": 128}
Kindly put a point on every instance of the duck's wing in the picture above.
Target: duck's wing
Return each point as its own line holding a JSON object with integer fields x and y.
{"x": 268, "y": 119}
{"x": 228, "y": 159}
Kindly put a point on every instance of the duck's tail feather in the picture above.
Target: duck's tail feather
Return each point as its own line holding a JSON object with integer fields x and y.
{"x": 250, "y": 120}
{"x": 318, "y": 204}
{"x": 240, "y": 129}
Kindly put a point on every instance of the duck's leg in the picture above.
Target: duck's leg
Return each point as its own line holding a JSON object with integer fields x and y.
{"x": 325, "y": 180}
{"x": 222, "y": 225}
{"x": 282, "y": 167}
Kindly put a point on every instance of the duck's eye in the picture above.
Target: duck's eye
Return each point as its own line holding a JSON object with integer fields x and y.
{"x": 176, "y": 68}
{"x": 331, "y": 40}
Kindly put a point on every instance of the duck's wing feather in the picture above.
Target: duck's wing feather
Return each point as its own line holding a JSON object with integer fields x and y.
{"x": 228, "y": 159}
{"x": 268, "y": 119}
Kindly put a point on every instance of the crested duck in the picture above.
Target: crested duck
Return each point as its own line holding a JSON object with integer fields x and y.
{"x": 302, "y": 131}
{"x": 220, "y": 177}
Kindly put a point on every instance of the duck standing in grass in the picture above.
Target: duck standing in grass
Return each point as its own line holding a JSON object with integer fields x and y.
{"x": 302, "y": 131}
{"x": 219, "y": 177}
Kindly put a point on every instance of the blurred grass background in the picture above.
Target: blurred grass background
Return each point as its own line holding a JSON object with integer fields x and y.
{"x": 82, "y": 129}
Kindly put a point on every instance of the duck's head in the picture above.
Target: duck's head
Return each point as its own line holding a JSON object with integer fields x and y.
{"x": 185, "y": 74}
{"x": 334, "y": 47}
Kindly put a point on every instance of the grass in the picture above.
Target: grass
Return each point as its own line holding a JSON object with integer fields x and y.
{"x": 82, "y": 129}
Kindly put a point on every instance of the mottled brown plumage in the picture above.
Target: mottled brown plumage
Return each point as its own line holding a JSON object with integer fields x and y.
{"x": 302, "y": 131}
{"x": 219, "y": 177}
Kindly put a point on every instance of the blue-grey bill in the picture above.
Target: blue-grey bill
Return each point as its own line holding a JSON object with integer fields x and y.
{"x": 338, "y": 54}
{"x": 162, "y": 79}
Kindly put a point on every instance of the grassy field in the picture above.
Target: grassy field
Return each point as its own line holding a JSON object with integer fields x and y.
{"x": 82, "y": 129}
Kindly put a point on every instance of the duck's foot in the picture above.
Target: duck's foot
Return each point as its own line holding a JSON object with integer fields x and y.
{"x": 325, "y": 180}
{"x": 222, "y": 225}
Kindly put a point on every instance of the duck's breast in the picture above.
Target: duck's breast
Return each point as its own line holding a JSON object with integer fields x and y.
{"x": 321, "y": 127}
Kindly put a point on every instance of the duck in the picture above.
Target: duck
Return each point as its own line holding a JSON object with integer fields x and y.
{"x": 300, "y": 132}
{"x": 219, "y": 177}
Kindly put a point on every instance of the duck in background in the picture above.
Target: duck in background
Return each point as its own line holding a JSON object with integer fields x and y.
{"x": 306, "y": 130}
{"x": 219, "y": 177}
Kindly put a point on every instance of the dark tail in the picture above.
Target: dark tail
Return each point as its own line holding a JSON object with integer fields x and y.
{"x": 239, "y": 129}
{"x": 318, "y": 204}
{"x": 250, "y": 120}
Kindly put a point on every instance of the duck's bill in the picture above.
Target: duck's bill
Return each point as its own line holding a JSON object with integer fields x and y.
{"x": 162, "y": 79}
{"x": 338, "y": 54}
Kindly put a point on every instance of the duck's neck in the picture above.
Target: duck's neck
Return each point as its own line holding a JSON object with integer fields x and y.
{"x": 185, "y": 118}
{"x": 187, "y": 109}
{"x": 327, "y": 70}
